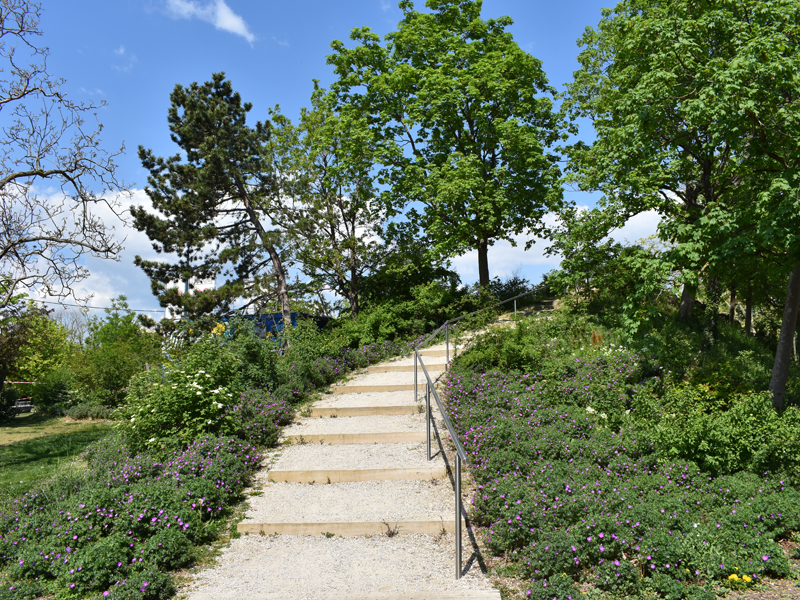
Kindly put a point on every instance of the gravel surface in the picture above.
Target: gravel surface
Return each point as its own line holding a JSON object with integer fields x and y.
{"x": 367, "y": 399}
{"x": 352, "y": 456}
{"x": 391, "y": 378}
{"x": 366, "y": 424}
{"x": 306, "y": 567}
{"x": 376, "y": 501}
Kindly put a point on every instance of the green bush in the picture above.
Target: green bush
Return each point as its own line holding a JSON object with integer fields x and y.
{"x": 176, "y": 403}
{"x": 8, "y": 398}
{"x": 53, "y": 394}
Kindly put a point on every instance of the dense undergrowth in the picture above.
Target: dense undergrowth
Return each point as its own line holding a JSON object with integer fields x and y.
{"x": 651, "y": 471}
{"x": 189, "y": 437}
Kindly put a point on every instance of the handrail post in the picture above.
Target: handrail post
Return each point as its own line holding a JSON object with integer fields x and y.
{"x": 515, "y": 308}
{"x": 428, "y": 417}
{"x": 416, "y": 359}
{"x": 458, "y": 515}
{"x": 447, "y": 344}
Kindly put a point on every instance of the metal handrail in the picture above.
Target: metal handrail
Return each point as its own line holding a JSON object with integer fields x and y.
{"x": 461, "y": 455}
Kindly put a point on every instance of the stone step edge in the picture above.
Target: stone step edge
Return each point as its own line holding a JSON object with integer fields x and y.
{"x": 351, "y": 528}
{"x": 425, "y": 595}
{"x": 324, "y": 476}
{"x": 365, "y": 411}
{"x": 403, "y": 368}
{"x": 387, "y": 437}
{"x": 362, "y": 389}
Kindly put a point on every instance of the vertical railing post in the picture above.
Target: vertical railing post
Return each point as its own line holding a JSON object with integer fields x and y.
{"x": 458, "y": 515}
{"x": 416, "y": 359}
{"x": 447, "y": 345}
{"x": 515, "y": 308}
{"x": 428, "y": 417}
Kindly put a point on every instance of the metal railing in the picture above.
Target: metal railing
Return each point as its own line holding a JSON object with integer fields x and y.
{"x": 430, "y": 390}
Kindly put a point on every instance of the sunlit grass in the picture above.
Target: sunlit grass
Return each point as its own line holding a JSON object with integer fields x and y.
{"x": 34, "y": 449}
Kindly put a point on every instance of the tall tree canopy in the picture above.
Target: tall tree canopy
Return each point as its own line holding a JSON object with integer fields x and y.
{"x": 325, "y": 189}
{"x": 694, "y": 104}
{"x": 463, "y": 121}
{"x": 215, "y": 199}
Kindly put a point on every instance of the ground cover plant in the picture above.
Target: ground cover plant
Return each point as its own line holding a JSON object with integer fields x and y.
{"x": 596, "y": 467}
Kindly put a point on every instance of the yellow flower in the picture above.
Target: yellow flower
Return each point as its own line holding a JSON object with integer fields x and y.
{"x": 219, "y": 329}
{"x": 746, "y": 579}
{"x": 733, "y": 577}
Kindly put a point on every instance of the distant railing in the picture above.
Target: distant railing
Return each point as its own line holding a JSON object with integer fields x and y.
{"x": 430, "y": 390}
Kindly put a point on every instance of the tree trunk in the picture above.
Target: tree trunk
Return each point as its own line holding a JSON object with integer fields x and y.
{"x": 277, "y": 264}
{"x": 732, "y": 311}
{"x": 748, "y": 310}
{"x": 483, "y": 263}
{"x": 687, "y": 301}
{"x": 283, "y": 290}
{"x": 712, "y": 309}
{"x": 783, "y": 355}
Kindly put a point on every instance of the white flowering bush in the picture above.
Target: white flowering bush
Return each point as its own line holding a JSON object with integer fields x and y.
{"x": 180, "y": 404}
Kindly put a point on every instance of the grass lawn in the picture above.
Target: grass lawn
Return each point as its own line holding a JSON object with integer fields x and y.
{"x": 34, "y": 448}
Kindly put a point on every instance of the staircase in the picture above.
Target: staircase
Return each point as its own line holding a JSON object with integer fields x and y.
{"x": 350, "y": 507}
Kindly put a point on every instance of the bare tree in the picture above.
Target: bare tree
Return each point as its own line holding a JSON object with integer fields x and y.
{"x": 48, "y": 140}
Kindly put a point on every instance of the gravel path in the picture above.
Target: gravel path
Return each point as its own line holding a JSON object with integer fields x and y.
{"x": 377, "y": 501}
{"x": 367, "y": 399}
{"x": 377, "y": 567}
{"x": 351, "y": 456}
{"x": 373, "y": 423}
{"x": 309, "y": 567}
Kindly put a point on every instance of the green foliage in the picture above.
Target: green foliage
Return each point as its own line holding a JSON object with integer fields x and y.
{"x": 116, "y": 348}
{"x": 469, "y": 140}
{"x": 209, "y": 201}
{"x": 594, "y": 465}
{"x": 52, "y": 395}
{"x": 181, "y": 403}
{"x": 46, "y": 348}
{"x": 429, "y": 305}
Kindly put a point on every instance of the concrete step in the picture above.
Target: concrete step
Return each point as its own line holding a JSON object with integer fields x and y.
{"x": 364, "y": 411}
{"x": 360, "y": 389}
{"x": 435, "y": 353}
{"x": 391, "y": 437}
{"x": 430, "y": 527}
{"x": 404, "y": 368}
{"x": 341, "y": 475}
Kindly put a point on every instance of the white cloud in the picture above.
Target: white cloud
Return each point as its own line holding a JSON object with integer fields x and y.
{"x": 386, "y": 6}
{"x": 120, "y": 50}
{"x": 280, "y": 42}
{"x": 505, "y": 259}
{"x": 638, "y": 227}
{"x": 216, "y": 12}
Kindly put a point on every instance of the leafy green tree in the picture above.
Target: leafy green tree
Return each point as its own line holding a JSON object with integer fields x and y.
{"x": 214, "y": 198}
{"x": 328, "y": 206}
{"x": 116, "y": 348}
{"x": 463, "y": 119}
{"x": 693, "y": 104}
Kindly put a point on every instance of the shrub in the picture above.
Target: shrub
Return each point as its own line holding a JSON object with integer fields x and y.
{"x": 8, "y": 398}
{"x": 52, "y": 395}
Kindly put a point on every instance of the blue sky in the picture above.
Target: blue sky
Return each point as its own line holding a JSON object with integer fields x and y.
{"x": 131, "y": 54}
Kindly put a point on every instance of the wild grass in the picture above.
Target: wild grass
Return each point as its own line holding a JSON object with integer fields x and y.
{"x": 33, "y": 449}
